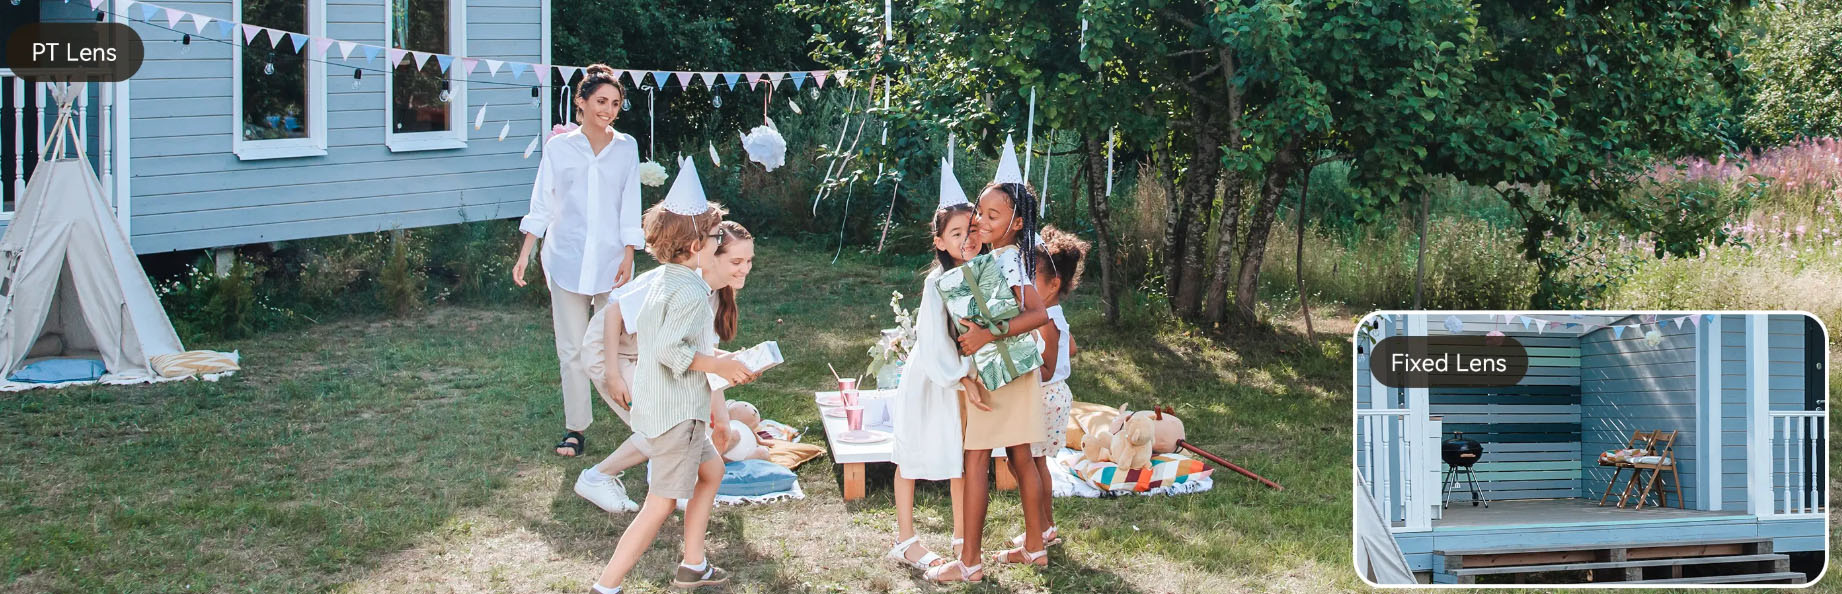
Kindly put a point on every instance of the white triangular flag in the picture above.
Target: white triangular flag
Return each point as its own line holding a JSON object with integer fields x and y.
{"x": 530, "y": 148}
{"x": 951, "y": 193}
{"x": 1008, "y": 170}
{"x": 275, "y": 36}
{"x": 492, "y": 66}
{"x": 708, "y": 78}
{"x": 199, "y": 20}
{"x": 345, "y": 50}
{"x": 173, "y": 17}
{"x": 480, "y": 120}
{"x": 687, "y": 194}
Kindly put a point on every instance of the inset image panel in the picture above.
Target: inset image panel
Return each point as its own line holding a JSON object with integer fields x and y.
{"x": 1661, "y": 449}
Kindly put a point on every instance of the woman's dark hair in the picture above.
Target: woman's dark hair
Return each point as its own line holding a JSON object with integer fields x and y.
{"x": 1064, "y": 254}
{"x": 942, "y": 259}
{"x": 1023, "y": 205}
{"x": 726, "y": 298}
{"x": 594, "y": 77}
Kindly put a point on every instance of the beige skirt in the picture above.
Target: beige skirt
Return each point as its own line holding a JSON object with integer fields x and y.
{"x": 1015, "y": 418}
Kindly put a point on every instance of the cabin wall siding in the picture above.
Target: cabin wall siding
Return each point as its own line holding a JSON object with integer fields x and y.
{"x": 1629, "y": 385}
{"x": 191, "y": 191}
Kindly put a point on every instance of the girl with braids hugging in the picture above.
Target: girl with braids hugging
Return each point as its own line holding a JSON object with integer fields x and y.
{"x": 1010, "y": 417}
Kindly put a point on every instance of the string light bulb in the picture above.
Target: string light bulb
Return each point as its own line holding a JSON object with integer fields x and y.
{"x": 185, "y": 44}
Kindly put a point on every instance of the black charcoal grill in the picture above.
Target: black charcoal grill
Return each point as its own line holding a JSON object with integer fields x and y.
{"x": 1460, "y": 454}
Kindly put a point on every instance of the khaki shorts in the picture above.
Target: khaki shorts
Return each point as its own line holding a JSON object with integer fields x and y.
{"x": 675, "y": 456}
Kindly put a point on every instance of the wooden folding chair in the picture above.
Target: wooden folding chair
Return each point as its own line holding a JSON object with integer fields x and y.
{"x": 1662, "y": 457}
{"x": 1647, "y": 438}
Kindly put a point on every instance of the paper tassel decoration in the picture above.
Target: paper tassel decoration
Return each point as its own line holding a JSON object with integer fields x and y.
{"x": 1653, "y": 337}
{"x": 561, "y": 129}
{"x": 1454, "y": 325}
{"x": 1494, "y": 338}
{"x": 530, "y": 148}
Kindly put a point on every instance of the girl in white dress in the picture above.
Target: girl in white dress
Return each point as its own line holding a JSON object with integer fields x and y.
{"x": 926, "y": 414}
{"x": 585, "y": 205}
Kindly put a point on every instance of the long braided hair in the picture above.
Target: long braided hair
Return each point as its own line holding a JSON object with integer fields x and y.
{"x": 1023, "y": 205}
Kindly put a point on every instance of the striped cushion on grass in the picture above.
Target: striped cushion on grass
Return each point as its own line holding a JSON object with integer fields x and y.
{"x": 1166, "y": 469}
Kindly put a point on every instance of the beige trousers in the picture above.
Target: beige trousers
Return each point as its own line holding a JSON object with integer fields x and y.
{"x": 570, "y": 313}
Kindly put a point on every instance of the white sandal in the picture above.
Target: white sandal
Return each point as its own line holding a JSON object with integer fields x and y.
{"x": 1029, "y": 558}
{"x": 1051, "y": 537}
{"x": 965, "y": 573}
{"x": 900, "y": 553}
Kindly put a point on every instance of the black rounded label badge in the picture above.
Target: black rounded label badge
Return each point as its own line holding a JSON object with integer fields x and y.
{"x": 68, "y": 52}
{"x": 1449, "y": 361}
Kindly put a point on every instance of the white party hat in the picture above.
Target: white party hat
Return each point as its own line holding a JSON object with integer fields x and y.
{"x": 687, "y": 194}
{"x": 951, "y": 194}
{"x": 1008, "y": 171}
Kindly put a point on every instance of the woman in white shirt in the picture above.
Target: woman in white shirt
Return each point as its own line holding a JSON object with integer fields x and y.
{"x": 586, "y": 207}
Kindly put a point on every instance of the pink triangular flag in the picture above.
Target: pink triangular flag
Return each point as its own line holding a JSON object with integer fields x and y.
{"x": 319, "y": 46}
{"x": 199, "y": 20}
{"x": 492, "y": 66}
{"x": 774, "y": 78}
{"x": 752, "y": 77}
{"x": 543, "y": 73}
{"x": 818, "y": 76}
{"x": 709, "y": 79}
{"x": 395, "y": 56}
{"x": 842, "y": 74}
{"x": 275, "y": 36}
{"x": 419, "y": 59}
{"x": 1696, "y": 320}
{"x": 125, "y": 5}
{"x": 173, "y": 17}
{"x": 249, "y": 33}
{"x": 468, "y": 64}
{"x": 568, "y": 73}
{"x": 684, "y": 79}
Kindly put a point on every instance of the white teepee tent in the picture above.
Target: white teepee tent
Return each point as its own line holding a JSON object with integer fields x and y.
{"x": 70, "y": 285}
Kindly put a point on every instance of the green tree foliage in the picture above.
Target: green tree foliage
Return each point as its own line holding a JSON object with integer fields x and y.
{"x": 1794, "y": 63}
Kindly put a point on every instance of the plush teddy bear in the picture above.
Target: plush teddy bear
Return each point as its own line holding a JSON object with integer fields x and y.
{"x": 1131, "y": 446}
{"x": 1095, "y": 445}
{"x": 744, "y": 419}
{"x": 1167, "y": 429}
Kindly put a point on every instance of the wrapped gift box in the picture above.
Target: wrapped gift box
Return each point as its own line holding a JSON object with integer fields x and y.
{"x": 978, "y": 292}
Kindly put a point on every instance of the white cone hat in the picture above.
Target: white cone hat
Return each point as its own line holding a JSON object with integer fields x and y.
{"x": 951, "y": 193}
{"x": 1008, "y": 171}
{"x": 687, "y": 194}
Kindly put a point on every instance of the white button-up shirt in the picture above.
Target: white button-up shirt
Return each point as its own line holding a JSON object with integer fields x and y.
{"x": 586, "y": 208}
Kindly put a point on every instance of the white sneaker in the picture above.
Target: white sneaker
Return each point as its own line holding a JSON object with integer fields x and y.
{"x": 609, "y": 494}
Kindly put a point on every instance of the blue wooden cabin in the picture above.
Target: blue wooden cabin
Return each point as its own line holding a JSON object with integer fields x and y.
{"x": 205, "y": 147}
{"x": 1744, "y": 392}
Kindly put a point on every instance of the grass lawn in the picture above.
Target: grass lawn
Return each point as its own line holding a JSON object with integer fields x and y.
{"x": 413, "y": 455}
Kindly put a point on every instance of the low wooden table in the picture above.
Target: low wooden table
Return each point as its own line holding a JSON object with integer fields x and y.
{"x": 853, "y": 456}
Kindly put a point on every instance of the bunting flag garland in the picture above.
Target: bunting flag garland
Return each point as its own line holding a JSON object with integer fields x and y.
{"x": 370, "y": 52}
{"x": 300, "y": 41}
{"x": 1657, "y": 323}
{"x": 684, "y": 79}
{"x": 173, "y": 17}
{"x": 320, "y": 45}
{"x": 518, "y": 70}
{"x": 225, "y": 28}
{"x": 492, "y": 66}
{"x": 733, "y": 78}
{"x": 659, "y": 78}
{"x": 198, "y": 22}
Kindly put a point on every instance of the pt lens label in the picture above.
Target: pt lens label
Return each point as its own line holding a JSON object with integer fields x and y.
{"x": 66, "y": 52}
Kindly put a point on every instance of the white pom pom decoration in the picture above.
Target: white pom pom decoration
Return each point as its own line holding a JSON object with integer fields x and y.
{"x": 765, "y": 146}
{"x": 652, "y": 174}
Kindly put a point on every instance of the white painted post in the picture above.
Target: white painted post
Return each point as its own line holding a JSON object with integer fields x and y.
{"x": 1709, "y": 386}
{"x": 19, "y": 136}
{"x": 1759, "y": 501}
{"x": 1419, "y": 407}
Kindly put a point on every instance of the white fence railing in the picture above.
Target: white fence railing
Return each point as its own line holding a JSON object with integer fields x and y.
{"x": 1799, "y": 462}
{"x": 26, "y": 111}
{"x": 1383, "y": 455}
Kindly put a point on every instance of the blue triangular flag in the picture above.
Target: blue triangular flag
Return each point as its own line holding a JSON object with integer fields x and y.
{"x": 1526, "y": 321}
{"x": 224, "y": 28}
{"x": 444, "y": 60}
{"x": 799, "y": 78}
{"x": 148, "y": 10}
{"x": 517, "y": 70}
{"x": 1707, "y": 317}
{"x": 1618, "y": 332}
{"x": 371, "y": 53}
{"x": 734, "y": 78}
{"x": 658, "y": 79}
{"x": 300, "y": 41}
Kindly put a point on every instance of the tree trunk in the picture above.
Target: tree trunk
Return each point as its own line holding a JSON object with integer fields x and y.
{"x": 1097, "y": 207}
{"x": 1298, "y": 258}
{"x": 1419, "y": 266}
{"x": 1229, "y": 227}
{"x": 1253, "y": 252}
{"x": 1176, "y": 219}
{"x": 1198, "y": 194}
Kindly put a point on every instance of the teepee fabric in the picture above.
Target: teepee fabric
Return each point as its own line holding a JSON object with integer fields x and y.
{"x": 70, "y": 285}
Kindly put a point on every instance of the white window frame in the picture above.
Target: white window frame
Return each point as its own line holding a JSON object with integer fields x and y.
{"x": 314, "y": 145}
{"x": 455, "y": 137}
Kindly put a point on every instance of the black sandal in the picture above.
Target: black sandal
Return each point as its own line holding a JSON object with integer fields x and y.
{"x": 577, "y": 447}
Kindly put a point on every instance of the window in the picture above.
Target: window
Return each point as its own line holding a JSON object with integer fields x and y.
{"x": 426, "y": 106}
{"x": 280, "y": 95}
